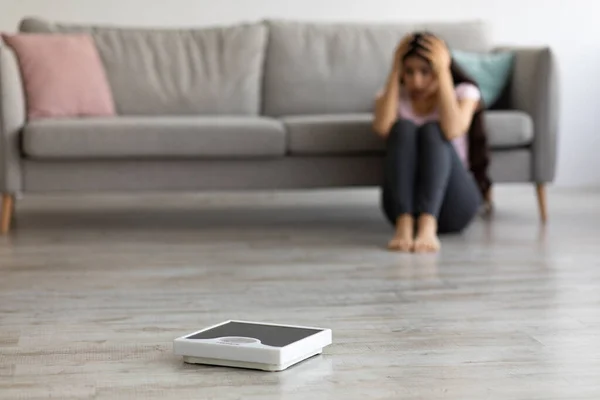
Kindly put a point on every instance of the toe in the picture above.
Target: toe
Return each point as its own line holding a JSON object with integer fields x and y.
{"x": 418, "y": 247}
{"x": 394, "y": 244}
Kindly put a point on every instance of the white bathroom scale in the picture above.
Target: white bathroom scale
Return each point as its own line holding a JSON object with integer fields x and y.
{"x": 252, "y": 345}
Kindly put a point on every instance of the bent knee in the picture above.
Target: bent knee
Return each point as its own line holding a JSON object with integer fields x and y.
{"x": 402, "y": 123}
{"x": 403, "y": 130}
{"x": 431, "y": 132}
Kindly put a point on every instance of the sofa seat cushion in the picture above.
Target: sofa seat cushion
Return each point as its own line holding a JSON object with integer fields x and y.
{"x": 337, "y": 134}
{"x": 349, "y": 134}
{"x": 508, "y": 129}
{"x": 154, "y": 137}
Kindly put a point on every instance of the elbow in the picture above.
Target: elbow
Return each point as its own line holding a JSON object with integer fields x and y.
{"x": 378, "y": 131}
{"x": 452, "y": 131}
{"x": 452, "y": 134}
{"x": 381, "y": 128}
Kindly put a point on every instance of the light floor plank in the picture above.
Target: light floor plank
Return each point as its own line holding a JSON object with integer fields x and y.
{"x": 94, "y": 289}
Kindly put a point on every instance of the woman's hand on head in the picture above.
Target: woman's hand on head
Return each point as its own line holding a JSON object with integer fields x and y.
{"x": 401, "y": 50}
{"x": 436, "y": 51}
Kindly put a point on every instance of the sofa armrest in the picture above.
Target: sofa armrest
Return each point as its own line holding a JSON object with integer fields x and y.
{"x": 12, "y": 120}
{"x": 535, "y": 90}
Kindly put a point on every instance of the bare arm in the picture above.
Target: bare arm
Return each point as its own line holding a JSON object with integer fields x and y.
{"x": 455, "y": 115}
{"x": 386, "y": 105}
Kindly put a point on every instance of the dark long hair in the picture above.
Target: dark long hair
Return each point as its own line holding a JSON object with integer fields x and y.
{"x": 479, "y": 155}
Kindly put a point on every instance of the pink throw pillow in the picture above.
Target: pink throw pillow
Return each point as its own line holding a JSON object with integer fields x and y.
{"x": 63, "y": 75}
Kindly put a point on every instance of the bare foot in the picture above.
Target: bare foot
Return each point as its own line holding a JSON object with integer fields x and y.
{"x": 403, "y": 239}
{"x": 427, "y": 240}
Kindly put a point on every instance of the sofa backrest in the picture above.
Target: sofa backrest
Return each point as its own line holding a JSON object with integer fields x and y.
{"x": 204, "y": 71}
{"x": 274, "y": 68}
{"x": 321, "y": 68}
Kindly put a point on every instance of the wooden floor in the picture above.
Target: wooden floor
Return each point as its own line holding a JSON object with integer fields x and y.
{"x": 94, "y": 290}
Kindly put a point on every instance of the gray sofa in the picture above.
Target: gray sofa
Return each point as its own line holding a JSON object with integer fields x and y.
{"x": 267, "y": 105}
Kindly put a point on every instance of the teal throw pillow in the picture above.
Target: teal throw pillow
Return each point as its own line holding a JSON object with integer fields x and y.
{"x": 491, "y": 71}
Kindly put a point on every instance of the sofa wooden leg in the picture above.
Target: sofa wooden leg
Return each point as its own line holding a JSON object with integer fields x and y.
{"x": 542, "y": 204}
{"x": 8, "y": 205}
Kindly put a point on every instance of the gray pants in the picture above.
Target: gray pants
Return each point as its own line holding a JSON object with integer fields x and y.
{"x": 423, "y": 174}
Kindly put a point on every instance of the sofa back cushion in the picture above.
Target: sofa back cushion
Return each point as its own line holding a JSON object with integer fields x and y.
{"x": 319, "y": 68}
{"x": 204, "y": 71}
{"x": 62, "y": 76}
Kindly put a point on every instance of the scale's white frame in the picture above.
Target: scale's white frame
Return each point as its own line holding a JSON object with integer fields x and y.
{"x": 241, "y": 353}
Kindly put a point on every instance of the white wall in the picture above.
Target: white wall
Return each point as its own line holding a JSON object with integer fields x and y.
{"x": 570, "y": 27}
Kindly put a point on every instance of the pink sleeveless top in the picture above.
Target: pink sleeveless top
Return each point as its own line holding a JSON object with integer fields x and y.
{"x": 463, "y": 91}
